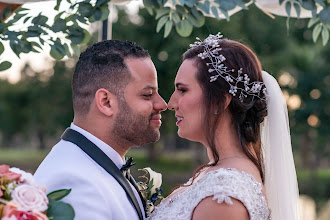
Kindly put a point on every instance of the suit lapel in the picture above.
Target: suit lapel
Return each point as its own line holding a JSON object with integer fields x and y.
{"x": 104, "y": 161}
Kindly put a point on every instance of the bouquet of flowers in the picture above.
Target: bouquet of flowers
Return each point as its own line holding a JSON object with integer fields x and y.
{"x": 150, "y": 188}
{"x": 22, "y": 199}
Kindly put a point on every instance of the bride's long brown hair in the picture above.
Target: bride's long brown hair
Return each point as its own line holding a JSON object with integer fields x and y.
{"x": 246, "y": 115}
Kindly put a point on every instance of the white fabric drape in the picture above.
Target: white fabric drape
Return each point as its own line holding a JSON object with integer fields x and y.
{"x": 280, "y": 173}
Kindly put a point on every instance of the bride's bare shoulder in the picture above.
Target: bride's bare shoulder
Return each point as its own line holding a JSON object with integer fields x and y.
{"x": 211, "y": 210}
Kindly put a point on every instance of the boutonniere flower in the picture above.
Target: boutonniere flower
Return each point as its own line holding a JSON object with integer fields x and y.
{"x": 22, "y": 198}
{"x": 150, "y": 188}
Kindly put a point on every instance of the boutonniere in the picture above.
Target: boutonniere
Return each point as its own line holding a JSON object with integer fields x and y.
{"x": 22, "y": 198}
{"x": 150, "y": 188}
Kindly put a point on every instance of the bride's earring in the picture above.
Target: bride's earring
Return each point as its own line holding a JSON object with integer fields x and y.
{"x": 216, "y": 111}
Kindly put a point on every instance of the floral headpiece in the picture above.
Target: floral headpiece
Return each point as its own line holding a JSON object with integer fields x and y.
{"x": 212, "y": 50}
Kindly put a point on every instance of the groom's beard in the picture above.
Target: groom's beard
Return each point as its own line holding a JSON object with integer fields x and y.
{"x": 133, "y": 127}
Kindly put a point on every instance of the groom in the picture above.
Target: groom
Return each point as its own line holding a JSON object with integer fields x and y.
{"x": 116, "y": 106}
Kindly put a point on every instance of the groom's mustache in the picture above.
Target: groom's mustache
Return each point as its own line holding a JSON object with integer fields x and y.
{"x": 155, "y": 116}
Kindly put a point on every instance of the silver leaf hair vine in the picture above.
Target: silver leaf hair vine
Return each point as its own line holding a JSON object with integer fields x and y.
{"x": 212, "y": 50}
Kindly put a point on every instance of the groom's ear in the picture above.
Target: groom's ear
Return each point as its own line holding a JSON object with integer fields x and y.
{"x": 105, "y": 101}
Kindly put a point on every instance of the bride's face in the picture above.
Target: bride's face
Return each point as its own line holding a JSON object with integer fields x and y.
{"x": 187, "y": 102}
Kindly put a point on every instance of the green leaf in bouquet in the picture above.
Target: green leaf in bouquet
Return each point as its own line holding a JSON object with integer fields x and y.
{"x": 59, "y": 194}
{"x": 58, "y": 210}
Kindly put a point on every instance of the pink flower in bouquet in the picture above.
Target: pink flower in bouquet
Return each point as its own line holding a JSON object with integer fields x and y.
{"x": 30, "y": 198}
{"x": 4, "y": 171}
{"x": 11, "y": 212}
{"x": 25, "y": 177}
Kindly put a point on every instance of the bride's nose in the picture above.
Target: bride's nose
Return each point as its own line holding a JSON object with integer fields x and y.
{"x": 172, "y": 104}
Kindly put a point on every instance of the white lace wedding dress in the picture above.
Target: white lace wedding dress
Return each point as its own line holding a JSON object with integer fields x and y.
{"x": 222, "y": 185}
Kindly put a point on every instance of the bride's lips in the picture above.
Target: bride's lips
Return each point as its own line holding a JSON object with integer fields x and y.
{"x": 179, "y": 119}
{"x": 156, "y": 119}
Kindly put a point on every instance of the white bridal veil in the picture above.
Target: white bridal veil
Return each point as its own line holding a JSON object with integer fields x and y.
{"x": 280, "y": 173}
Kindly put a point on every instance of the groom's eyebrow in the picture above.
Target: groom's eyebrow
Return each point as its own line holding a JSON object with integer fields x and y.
{"x": 150, "y": 87}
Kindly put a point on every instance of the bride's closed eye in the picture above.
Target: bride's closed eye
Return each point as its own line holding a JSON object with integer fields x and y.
{"x": 182, "y": 90}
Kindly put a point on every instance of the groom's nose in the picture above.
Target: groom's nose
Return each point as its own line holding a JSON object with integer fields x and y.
{"x": 159, "y": 104}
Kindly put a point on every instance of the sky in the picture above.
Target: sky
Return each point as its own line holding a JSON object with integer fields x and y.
{"x": 43, "y": 61}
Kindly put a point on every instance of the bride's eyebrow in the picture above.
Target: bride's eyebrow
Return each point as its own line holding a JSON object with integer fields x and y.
{"x": 180, "y": 84}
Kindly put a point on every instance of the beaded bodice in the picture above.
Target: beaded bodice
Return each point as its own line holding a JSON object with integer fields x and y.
{"x": 222, "y": 184}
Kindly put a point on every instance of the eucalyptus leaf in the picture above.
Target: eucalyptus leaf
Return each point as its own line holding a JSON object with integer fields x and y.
{"x": 197, "y": 14}
{"x": 58, "y": 210}
{"x": 215, "y": 12}
{"x": 40, "y": 20}
{"x": 59, "y": 194}
{"x": 76, "y": 36}
{"x": 205, "y": 7}
{"x": 176, "y": 18}
{"x": 320, "y": 2}
{"x": 190, "y": 3}
{"x": 288, "y": 8}
{"x": 85, "y": 9}
{"x": 226, "y": 5}
{"x": 56, "y": 53}
{"x": 68, "y": 53}
{"x": 76, "y": 49}
{"x": 225, "y": 13}
{"x": 26, "y": 19}
{"x": 97, "y": 14}
{"x": 180, "y": 9}
{"x": 298, "y": 9}
{"x": 57, "y": 6}
{"x": 184, "y": 28}
{"x": 312, "y": 21}
{"x": 163, "y": 11}
{"x": 2, "y": 48}
{"x": 168, "y": 28}
{"x": 182, "y": 2}
{"x": 325, "y": 35}
{"x": 5, "y": 65}
{"x": 316, "y": 32}
{"x": 281, "y": 1}
{"x": 36, "y": 45}
{"x": 32, "y": 34}
{"x": 105, "y": 12}
{"x": 241, "y": 4}
{"x": 161, "y": 22}
{"x": 101, "y": 2}
{"x": 196, "y": 22}
{"x": 309, "y": 5}
{"x": 325, "y": 15}
{"x": 59, "y": 25}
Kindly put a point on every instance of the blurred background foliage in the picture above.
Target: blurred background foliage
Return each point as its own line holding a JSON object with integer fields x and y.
{"x": 35, "y": 111}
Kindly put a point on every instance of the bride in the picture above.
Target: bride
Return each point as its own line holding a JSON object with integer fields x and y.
{"x": 225, "y": 101}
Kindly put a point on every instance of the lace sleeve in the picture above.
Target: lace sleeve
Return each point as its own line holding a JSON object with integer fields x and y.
{"x": 230, "y": 183}
{"x": 222, "y": 185}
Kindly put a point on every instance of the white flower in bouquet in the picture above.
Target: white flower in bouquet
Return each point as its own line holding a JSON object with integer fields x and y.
{"x": 25, "y": 178}
{"x": 156, "y": 178}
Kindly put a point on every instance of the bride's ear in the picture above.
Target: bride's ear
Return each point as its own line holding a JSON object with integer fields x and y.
{"x": 105, "y": 101}
{"x": 228, "y": 98}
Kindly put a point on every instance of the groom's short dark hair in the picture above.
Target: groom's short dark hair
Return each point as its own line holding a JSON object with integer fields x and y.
{"x": 102, "y": 66}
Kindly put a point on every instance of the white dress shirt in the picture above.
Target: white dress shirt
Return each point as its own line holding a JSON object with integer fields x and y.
{"x": 95, "y": 193}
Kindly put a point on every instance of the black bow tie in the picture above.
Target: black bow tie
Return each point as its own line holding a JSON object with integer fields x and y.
{"x": 125, "y": 168}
